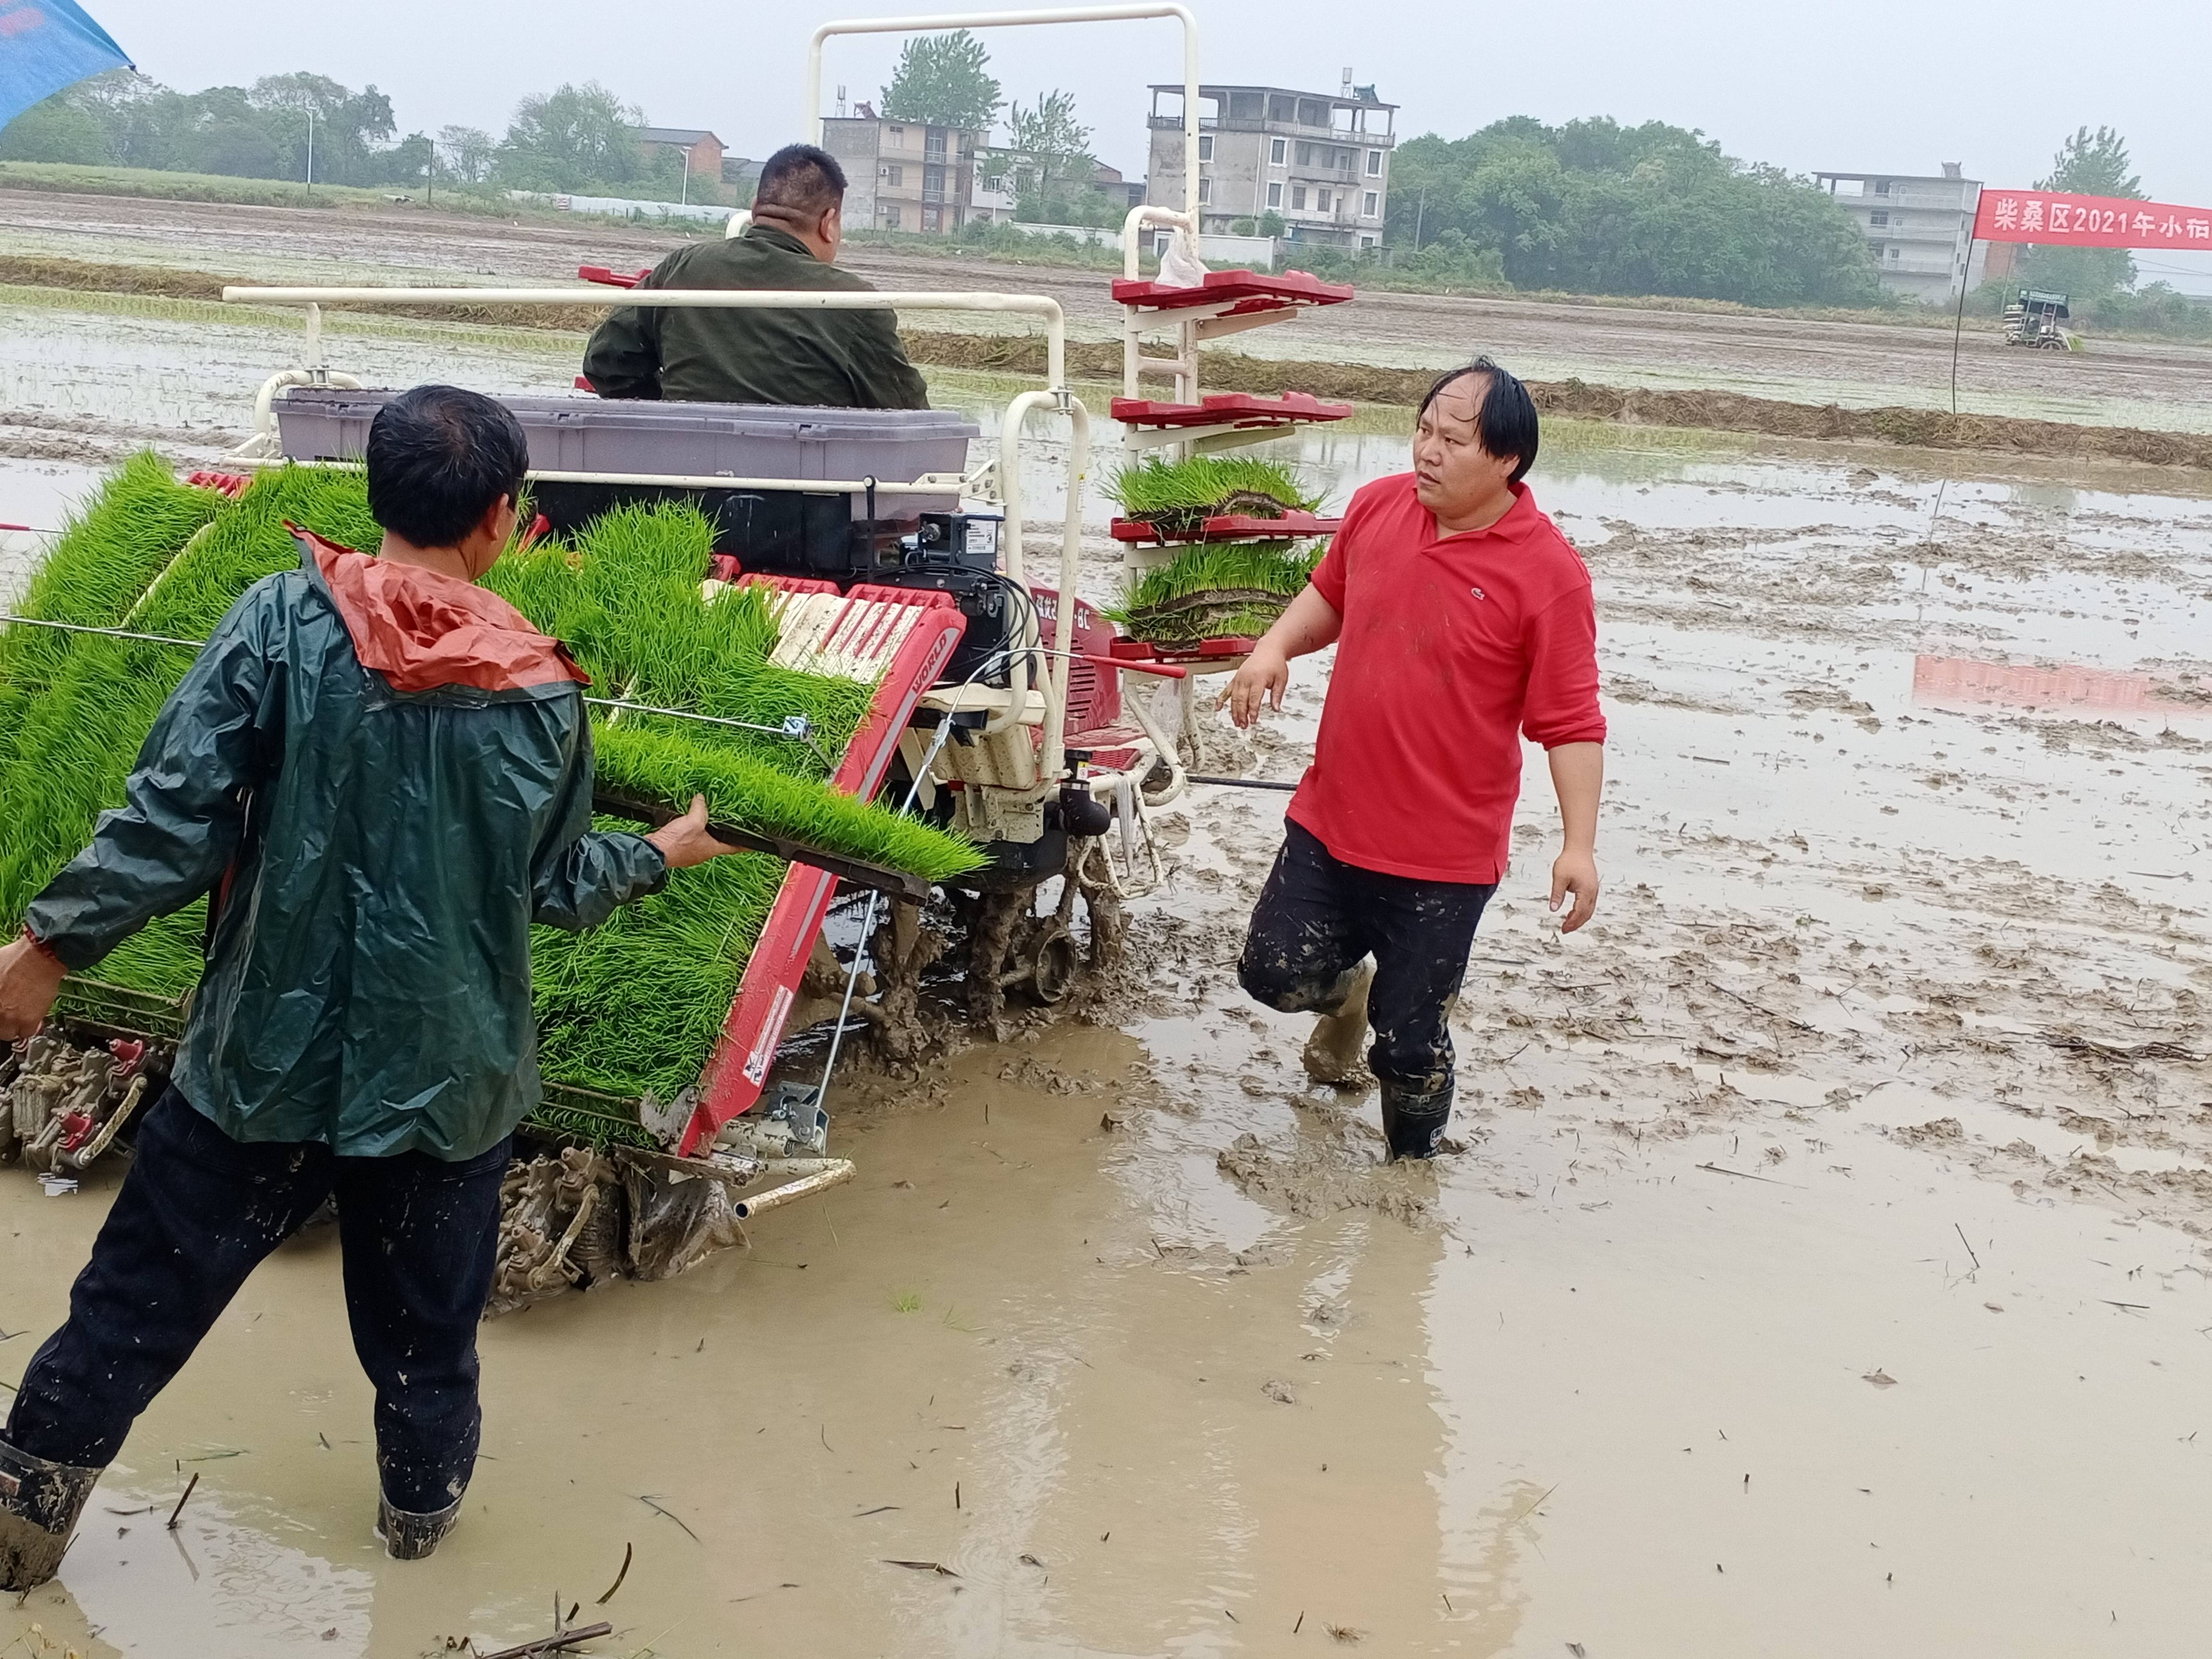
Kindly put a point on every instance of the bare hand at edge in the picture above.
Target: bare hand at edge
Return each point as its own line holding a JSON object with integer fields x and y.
{"x": 1576, "y": 873}
{"x": 685, "y": 842}
{"x": 1259, "y": 683}
{"x": 30, "y": 980}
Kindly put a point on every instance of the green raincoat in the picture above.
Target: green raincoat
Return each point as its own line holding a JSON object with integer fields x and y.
{"x": 381, "y": 777}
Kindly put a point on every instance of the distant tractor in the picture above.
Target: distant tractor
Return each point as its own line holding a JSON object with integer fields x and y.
{"x": 2033, "y": 320}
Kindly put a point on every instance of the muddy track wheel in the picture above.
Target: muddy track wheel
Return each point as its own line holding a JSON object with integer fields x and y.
{"x": 993, "y": 925}
{"x": 1092, "y": 876}
{"x": 1050, "y": 965}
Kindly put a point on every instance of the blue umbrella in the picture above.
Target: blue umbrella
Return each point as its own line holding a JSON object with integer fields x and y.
{"x": 47, "y": 44}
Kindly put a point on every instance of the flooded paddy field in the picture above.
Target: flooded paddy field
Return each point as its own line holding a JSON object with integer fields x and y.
{"x": 1821, "y": 1269}
{"x": 2158, "y": 386}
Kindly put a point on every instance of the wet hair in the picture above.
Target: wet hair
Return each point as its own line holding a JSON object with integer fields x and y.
{"x": 439, "y": 459}
{"x": 804, "y": 181}
{"x": 1506, "y": 424}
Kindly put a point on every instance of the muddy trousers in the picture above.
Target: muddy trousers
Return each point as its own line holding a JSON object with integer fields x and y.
{"x": 197, "y": 1213}
{"x": 1318, "y": 918}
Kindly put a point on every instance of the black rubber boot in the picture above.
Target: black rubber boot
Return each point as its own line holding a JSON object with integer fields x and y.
{"x": 39, "y": 1503}
{"x": 408, "y": 1536}
{"x": 1414, "y": 1123}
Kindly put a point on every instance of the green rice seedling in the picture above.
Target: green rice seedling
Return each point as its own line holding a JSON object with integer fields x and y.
{"x": 631, "y": 1007}
{"x": 626, "y": 596}
{"x": 635, "y": 1005}
{"x": 75, "y": 742}
{"x": 1215, "y": 590}
{"x": 95, "y": 571}
{"x": 649, "y": 757}
{"x": 1177, "y": 496}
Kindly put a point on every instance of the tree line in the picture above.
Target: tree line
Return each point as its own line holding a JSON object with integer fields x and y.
{"x": 1596, "y": 207}
{"x": 1588, "y": 206}
{"x": 578, "y": 138}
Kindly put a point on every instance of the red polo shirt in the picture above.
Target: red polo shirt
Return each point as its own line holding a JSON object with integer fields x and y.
{"x": 1452, "y": 648}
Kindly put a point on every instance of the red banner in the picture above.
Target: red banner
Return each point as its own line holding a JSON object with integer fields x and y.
{"x": 2056, "y": 220}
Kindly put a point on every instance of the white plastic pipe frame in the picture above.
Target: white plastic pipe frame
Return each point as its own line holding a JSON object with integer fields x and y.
{"x": 993, "y": 20}
{"x": 1031, "y": 305}
{"x": 1010, "y": 491}
{"x": 1057, "y": 396}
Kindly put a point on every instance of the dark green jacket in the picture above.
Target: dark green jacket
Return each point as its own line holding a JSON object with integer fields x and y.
{"x": 375, "y": 860}
{"x": 834, "y": 359}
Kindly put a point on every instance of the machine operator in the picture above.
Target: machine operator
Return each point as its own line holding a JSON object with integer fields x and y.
{"x": 1461, "y": 619}
{"x": 838, "y": 359}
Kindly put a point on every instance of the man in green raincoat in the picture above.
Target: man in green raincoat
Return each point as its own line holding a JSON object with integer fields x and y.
{"x": 381, "y": 775}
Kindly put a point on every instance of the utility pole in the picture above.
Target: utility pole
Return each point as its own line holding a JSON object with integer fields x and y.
{"x": 1420, "y": 207}
{"x": 311, "y": 152}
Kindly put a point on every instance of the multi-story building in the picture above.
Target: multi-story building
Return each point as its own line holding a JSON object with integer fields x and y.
{"x": 1322, "y": 163}
{"x": 904, "y": 175}
{"x": 1919, "y": 229}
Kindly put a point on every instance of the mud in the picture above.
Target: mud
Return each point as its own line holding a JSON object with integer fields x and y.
{"x": 1856, "y": 364}
{"x": 1822, "y": 1267}
{"x": 1024, "y": 354}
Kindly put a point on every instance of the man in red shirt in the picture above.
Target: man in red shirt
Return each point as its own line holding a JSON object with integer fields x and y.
{"x": 1461, "y": 619}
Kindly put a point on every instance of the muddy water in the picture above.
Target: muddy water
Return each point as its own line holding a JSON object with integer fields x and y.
{"x": 1823, "y": 1270}
{"x": 1861, "y": 364}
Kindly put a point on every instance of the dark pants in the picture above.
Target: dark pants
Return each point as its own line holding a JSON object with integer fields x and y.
{"x": 1318, "y": 917}
{"x": 197, "y": 1213}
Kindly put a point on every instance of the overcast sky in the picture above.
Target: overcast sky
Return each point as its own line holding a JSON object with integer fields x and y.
{"x": 1894, "y": 85}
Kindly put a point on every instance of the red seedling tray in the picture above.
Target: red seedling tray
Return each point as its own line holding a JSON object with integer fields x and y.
{"x": 1229, "y": 645}
{"x": 608, "y": 278}
{"x": 1258, "y": 292}
{"x": 1244, "y": 408}
{"x": 1230, "y": 528}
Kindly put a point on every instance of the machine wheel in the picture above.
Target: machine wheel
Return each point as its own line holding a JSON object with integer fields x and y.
{"x": 1050, "y": 965}
{"x": 1012, "y": 948}
{"x": 998, "y": 943}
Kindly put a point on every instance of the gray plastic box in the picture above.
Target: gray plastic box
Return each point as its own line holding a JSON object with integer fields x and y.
{"x": 673, "y": 440}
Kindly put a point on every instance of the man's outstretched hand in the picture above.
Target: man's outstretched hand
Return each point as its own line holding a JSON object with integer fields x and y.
{"x": 1574, "y": 873}
{"x": 1259, "y": 683}
{"x": 685, "y": 842}
{"x": 30, "y": 980}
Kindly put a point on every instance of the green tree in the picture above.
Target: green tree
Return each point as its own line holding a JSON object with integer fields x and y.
{"x": 1050, "y": 165}
{"x": 466, "y": 153}
{"x": 350, "y": 128}
{"x": 55, "y": 130}
{"x": 572, "y": 137}
{"x": 2087, "y": 164}
{"x": 256, "y": 132}
{"x": 943, "y": 81}
{"x": 1595, "y": 206}
{"x": 2093, "y": 164}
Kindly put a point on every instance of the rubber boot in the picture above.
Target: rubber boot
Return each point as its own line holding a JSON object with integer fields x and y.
{"x": 1332, "y": 1052}
{"x": 1413, "y": 1121}
{"x": 39, "y": 1503}
{"x": 408, "y": 1536}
